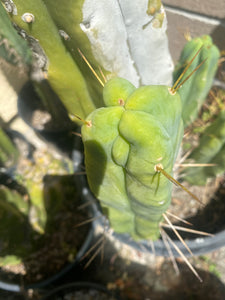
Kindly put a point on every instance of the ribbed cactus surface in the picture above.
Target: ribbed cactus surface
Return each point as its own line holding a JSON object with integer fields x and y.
{"x": 124, "y": 142}
{"x": 193, "y": 93}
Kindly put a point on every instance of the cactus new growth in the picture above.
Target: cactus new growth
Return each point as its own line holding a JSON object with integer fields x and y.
{"x": 194, "y": 92}
{"x": 126, "y": 144}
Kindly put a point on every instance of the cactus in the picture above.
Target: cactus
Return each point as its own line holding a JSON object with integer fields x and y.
{"x": 209, "y": 151}
{"x": 61, "y": 27}
{"x": 132, "y": 134}
{"x": 62, "y": 72}
{"x": 29, "y": 206}
{"x": 12, "y": 48}
{"x": 139, "y": 129}
{"x": 8, "y": 152}
{"x": 194, "y": 92}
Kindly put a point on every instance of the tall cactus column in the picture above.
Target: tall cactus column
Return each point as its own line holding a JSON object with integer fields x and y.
{"x": 61, "y": 70}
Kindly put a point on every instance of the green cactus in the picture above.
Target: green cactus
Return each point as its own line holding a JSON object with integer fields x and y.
{"x": 14, "y": 226}
{"x": 12, "y": 48}
{"x": 29, "y": 206}
{"x": 138, "y": 132}
{"x": 68, "y": 18}
{"x": 139, "y": 129}
{"x": 60, "y": 28}
{"x": 195, "y": 90}
{"x": 62, "y": 72}
{"x": 210, "y": 151}
{"x": 8, "y": 152}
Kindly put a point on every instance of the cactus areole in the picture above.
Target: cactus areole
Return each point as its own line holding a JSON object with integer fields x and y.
{"x": 126, "y": 144}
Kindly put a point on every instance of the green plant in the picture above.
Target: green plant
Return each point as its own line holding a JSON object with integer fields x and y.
{"x": 193, "y": 93}
{"x": 29, "y": 205}
{"x": 131, "y": 134}
{"x": 64, "y": 69}
{"x": 12, "y": 48}
{"x": 126, "y": 144}
{"x": 209, "y": 151}
{"x": 8, "y": 152}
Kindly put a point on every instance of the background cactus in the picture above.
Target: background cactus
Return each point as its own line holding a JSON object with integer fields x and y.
{"x": 8, "y": 152}
{"x": 209, "y": 151}
{"x": 194, "y": 92}
{"x": 114, "y": 49}
{"x": 12, "y": 48}
{"x": 29, "y": 205}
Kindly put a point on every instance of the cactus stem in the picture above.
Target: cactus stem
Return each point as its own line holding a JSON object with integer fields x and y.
{"x": 177, "y": 85}
{"x": 91, "y": 68}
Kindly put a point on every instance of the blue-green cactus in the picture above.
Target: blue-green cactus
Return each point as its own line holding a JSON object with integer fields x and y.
{"x": 124, "y": 143}
{"x": 195, "y": 90}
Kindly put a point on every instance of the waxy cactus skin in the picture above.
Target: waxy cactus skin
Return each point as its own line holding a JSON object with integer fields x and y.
{"x": 123, "y": 143}
{"x": 195, "y": 90}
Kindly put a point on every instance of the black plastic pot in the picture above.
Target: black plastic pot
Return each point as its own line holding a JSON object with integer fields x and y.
{"x": 81, "y": 290}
